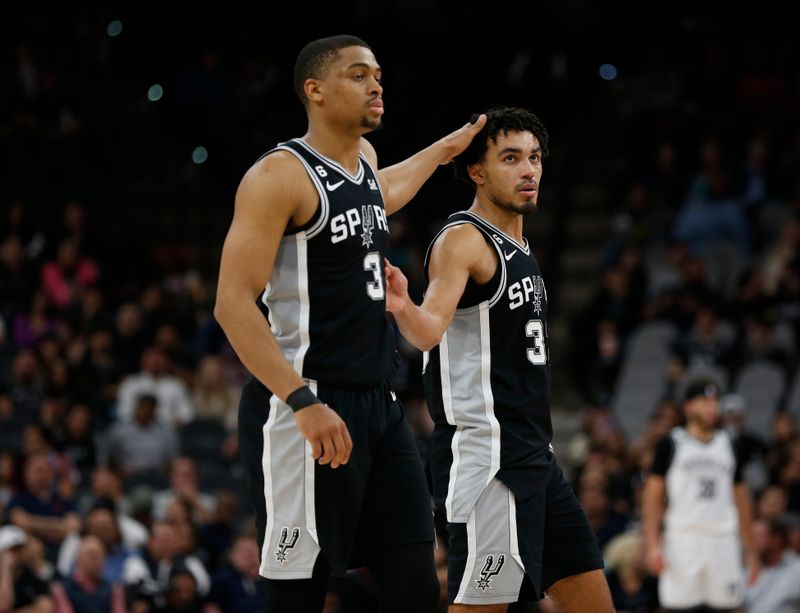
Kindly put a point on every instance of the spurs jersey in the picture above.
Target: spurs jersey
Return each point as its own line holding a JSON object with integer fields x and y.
{"x": 488, "y": 381}
{"x": 326, "y": 299}
{"x": 699, "y": 480}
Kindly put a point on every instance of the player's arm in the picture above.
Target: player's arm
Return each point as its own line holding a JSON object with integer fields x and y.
{"x": 454, "y": 256}
{"x": 741, "y": 497}
{"x": 654, "y": 500}
{"x": 402, "y": 181}
{"x": 268, "y": 198}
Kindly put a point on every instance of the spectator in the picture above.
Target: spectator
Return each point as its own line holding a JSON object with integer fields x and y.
{"x": 20, "y": 589}
{"x": 143, "y": 444}
{"x": 39, "y": 509}
{"x": 64, "y": 277}
{"x": 633, "y": 589}
{"x": 777, "y": 589}
{"x": 174, "y": 405}
{"x": 184, "y": 486}
{"x": 214, "y": 396}
{"x": 86, "y": 590}
{"x": 238, "y": 588}
{"x": 101, "y": 522}
{"x": 150, "y": 573}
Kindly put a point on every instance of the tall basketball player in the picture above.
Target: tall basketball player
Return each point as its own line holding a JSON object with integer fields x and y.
{"x": 515, "y": 527}
{"x": 333, "y": 472}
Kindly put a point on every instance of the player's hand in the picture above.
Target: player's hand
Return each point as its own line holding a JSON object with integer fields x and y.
{"x": 327, "y": 433}
{"x": 396, "y": 287}
{"x": 654, "y": 560}
{"x": 455, "y": 142}
{"x": 753, "y": 567}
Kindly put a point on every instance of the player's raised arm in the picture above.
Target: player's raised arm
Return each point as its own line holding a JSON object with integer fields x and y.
{"x": 403, "y": 180}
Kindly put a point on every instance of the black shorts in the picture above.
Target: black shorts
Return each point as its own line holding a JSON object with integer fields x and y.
{"x": 513, "y": 549}
{"x": 379, "y": 498}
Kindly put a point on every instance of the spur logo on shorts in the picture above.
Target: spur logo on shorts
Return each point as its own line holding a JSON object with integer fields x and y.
{"x": 489, "y": 571}
{"x": 286, "y": 543}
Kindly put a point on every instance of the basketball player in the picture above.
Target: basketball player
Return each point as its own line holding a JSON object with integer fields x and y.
{"x": 695, "y": 486}
{"x": 515, "y": 527}
{"x": 310, "y": 227}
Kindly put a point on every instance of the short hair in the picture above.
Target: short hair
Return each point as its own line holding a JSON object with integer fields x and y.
{"x": 315, "y": 58}
{"x": 499, "y": 119}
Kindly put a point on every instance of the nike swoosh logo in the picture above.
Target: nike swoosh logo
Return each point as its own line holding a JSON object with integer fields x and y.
{"x": 333, "y": 186}
{"x": 508, "y": 256}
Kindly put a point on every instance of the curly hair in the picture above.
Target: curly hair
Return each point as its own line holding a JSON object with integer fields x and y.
{"x": 499, "y": 119}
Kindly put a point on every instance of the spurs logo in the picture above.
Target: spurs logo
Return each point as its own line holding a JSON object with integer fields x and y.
{"x": 367, "y": 225}
{"x": 538, "y": 293}
{"x": 286, "y": 543}
{"x": 489, "y": 571}
{"x": 372, "y": 185}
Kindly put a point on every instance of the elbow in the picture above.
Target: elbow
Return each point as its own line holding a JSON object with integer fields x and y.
{"x": 222, "y": 310}
{"x": 430, "y": 342}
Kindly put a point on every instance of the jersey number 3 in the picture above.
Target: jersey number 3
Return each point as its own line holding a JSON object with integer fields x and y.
{"x": 538, "y": 353}
{"x": 372, "y": 263}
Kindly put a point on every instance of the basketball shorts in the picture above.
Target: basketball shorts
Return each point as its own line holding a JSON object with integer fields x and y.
{"x": 379, "y": 498}
{"x": 512, "y": 550}
{"x": 701, "y": 569}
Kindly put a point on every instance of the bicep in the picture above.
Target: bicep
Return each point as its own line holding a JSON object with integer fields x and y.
{"x": 449, "y": 271}
{"x": 263, "y": 210}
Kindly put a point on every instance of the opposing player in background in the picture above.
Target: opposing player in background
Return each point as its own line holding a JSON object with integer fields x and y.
{"x": 333, "y": 471}
{"x": 695, "y": 490}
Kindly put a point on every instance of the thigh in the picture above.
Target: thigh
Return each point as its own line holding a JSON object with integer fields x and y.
{"x": 301, "y": 507}
{"x": 682, "y": 584}
{"x": 397, "y": 502}
{"x": 570, "y": 546}
{"x": 724, "y": 572}
{"x": 280, "y": 483}
{"x": 484, "y": 563}
{"x": 582, "y": 593}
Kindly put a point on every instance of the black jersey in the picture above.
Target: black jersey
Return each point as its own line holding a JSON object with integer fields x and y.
{"x": 488, "y": 381}
{"x": 326, "y": 299}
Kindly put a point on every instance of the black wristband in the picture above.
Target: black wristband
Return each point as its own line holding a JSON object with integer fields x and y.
{"x": 301, "y": 398}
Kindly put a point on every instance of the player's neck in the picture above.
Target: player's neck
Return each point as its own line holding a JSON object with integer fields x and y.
{"x": 507, "y": 221}
{"x": 342, "y": 147}
{"x": 699, "y": 431}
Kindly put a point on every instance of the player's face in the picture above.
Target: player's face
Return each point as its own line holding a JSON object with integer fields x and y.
{"x": 352, "y": 89}
{"x": 512, "y": 170}
{"x": 704, "y": 410}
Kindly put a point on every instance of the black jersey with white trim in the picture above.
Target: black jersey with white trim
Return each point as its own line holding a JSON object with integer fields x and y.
{"x": 326, "y": 299}
{"x": 488, "y": 381}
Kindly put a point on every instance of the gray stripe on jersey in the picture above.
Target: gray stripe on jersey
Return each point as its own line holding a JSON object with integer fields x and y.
{"x": 465, "y": 365}
{"x": 286, "y": 296}
{"x": 291, "y": 544}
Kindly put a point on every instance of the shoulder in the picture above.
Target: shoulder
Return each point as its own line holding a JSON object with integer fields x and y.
{"x": 369, "y": 152}
{"x": 279, "y": 168}
{"x": 462, "y": 239}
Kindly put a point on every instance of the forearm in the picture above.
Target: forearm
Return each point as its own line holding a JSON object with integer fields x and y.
{"x": 6, "y": 591}
{"x": 745, "y": 510}
{"x": 405, "y": 178}
{"x": 419, "y": 327}
{"x": 251, "y": 338}
{"x": 652, "y": 517}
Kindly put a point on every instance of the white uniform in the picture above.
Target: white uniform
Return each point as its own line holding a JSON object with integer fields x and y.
{"x": 702, "y": 551}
